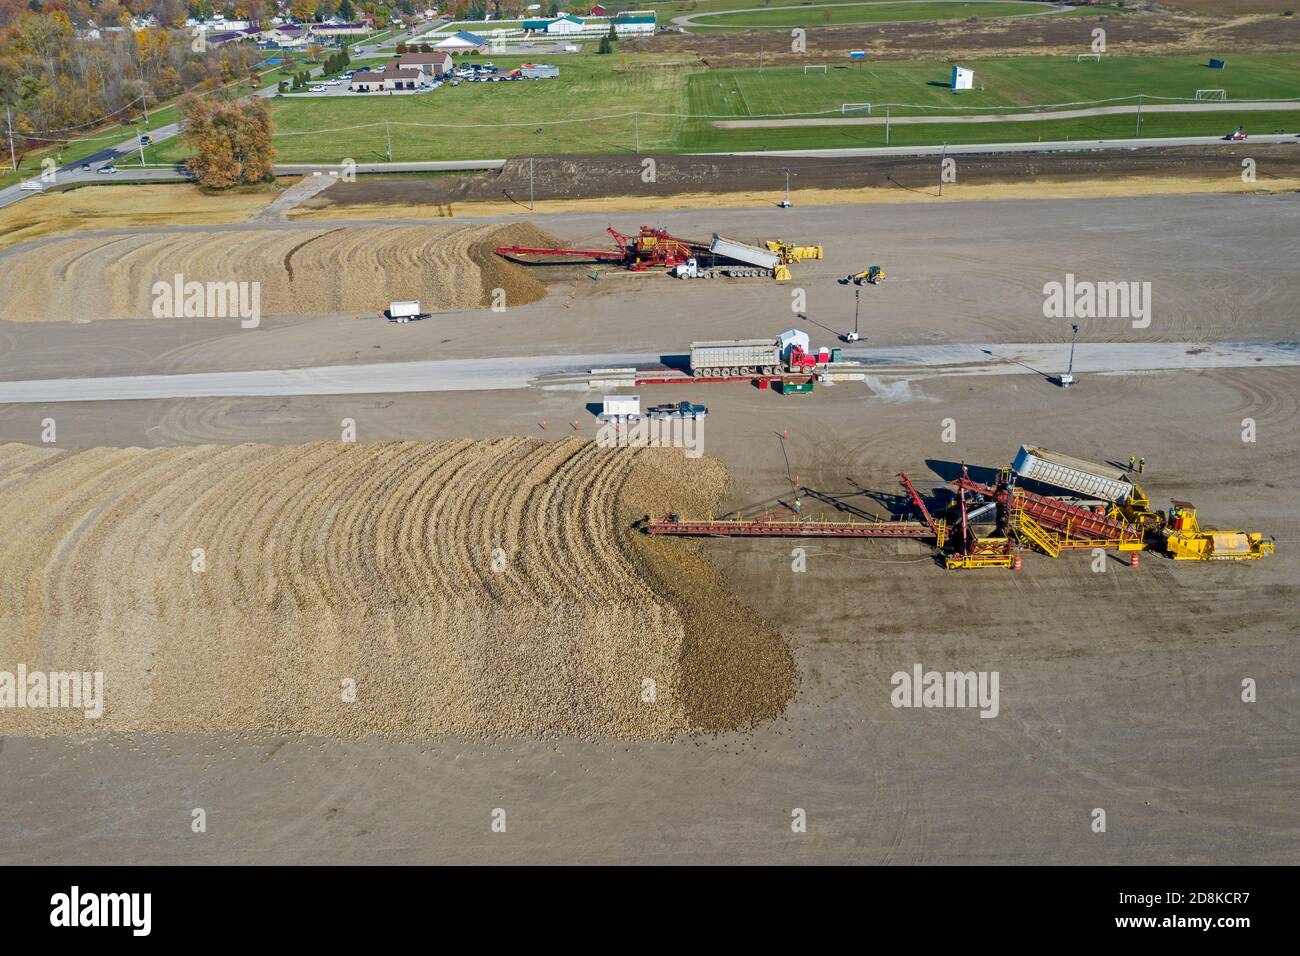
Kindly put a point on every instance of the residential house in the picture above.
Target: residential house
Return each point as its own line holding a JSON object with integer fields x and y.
{"x": 329, "y": 30}
{"x": 287, "y": 37}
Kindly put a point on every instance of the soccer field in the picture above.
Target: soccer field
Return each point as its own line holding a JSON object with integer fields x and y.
{"x": 801, "y": 14}
{"x": 921, "y": 87}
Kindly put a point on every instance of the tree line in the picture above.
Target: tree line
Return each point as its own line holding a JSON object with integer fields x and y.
{"x": 57, "y": 85}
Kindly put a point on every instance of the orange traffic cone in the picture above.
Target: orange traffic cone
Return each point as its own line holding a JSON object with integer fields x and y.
{"x": 1133, "y": 560}
{"x": 1015, "y": 563}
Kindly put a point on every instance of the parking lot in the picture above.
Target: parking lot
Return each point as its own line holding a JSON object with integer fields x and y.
{"x": 485, "y": 72}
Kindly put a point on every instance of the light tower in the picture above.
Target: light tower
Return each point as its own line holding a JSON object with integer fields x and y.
{"x": 1068, "y": 378}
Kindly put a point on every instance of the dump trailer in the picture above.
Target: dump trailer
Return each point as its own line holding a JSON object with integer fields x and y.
{"x": 1073, "y": 474}
{"x": 741, "y": 252}
{"x": 731, "y": 259}
{"x": 735, "y": 358}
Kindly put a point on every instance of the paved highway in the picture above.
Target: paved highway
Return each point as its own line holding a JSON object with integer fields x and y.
{"x": 919, "y": 362}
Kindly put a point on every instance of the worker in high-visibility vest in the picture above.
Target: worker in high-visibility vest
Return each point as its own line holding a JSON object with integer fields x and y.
{"x": 1142, "y": 465}
{"x": 1131, "y": 460}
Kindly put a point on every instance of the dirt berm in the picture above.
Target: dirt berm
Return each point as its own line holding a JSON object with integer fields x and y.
{"x": 492, "y": 587}
{"x": 577, "y": 177}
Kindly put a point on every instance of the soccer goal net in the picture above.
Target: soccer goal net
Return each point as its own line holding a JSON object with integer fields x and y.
{"x": 1211, "y": 94}
{"x": 1096, "y": 57}
{"x": 855, "y": 109}
{"x": 815, "y": 67}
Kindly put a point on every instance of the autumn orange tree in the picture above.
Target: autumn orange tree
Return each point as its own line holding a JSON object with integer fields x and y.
{"x": 230, "y": 139}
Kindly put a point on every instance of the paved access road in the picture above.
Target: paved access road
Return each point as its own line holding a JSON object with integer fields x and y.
{"x": 517, "y": 372}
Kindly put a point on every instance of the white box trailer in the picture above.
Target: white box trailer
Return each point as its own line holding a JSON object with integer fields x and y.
{"x": 403, "y": 310}
{"x": 742, "y": 252}
{"x": 616, "y": 407}
{"x": 962, "y": 78}
{"x": 736, "y": 357}
{"x": 1072, "y": 474}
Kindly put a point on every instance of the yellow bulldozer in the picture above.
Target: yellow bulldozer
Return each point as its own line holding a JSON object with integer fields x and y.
{"x": 1185, "y": 540}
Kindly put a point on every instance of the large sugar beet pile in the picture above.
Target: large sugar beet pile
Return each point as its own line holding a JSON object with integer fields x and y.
{"x": 300, "y": 271}
{"x": 474, "y": 587}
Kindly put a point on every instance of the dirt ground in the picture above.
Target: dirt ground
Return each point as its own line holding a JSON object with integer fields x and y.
{"x": 107, "y": 207}
{"x": 1219, "y": 267}
{"x": 1121, "y": 689}
{"x": 1146, "y": 31}
{"x": 735, "y": 180}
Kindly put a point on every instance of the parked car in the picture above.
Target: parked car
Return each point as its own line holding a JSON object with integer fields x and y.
{"x": 1236, "y": 136}
{"x": 333, "y": 82}
{"x": 108, "y": 170}
{"x": 85, "y": 167}
{"x": 318, "y": 89}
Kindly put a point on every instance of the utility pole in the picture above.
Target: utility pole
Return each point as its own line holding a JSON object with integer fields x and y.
{"x": 388, "y": 132}
{"x": 886, "y": 125}
{"x": 942, "y": 160}
{"x": 9, "y": 121}
{"x": 760, "y": 59}
{"x": 530, "y": 183}
{"x": 1138, "y": 133}
{"x": 785, "y": 203}
{"x": 636, "y": 124}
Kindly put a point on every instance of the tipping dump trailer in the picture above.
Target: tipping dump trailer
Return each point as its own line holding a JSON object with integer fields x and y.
{"x": 741, "y": 252}
{"x": 735, "y": 358}
{"x": 1073, "y": 474}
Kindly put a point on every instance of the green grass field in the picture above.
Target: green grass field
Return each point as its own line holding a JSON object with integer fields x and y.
{"x": 799, "y": 13}
{"x": 589, "y": 108}
{"x": 1007, "y": 82}
{"x": 462, "y": 122}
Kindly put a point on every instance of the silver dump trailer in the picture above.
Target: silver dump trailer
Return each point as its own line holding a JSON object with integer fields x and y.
{"x": 1073, "y": 474}
{"x": 735, "y": 358}
{"x": 742, "y": 252}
